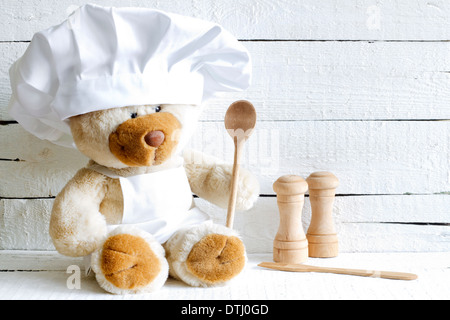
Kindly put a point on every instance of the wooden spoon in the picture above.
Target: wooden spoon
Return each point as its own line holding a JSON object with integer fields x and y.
{"x": 240, "y": 121}
{"x": 353, "y": 272}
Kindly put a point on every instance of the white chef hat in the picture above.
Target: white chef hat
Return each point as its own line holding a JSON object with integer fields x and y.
{"x": 102, "y": 58}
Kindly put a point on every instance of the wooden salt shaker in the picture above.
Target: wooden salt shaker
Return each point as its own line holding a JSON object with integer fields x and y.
{"x": 290, "y": 244}
{"x": 321, "y": 235}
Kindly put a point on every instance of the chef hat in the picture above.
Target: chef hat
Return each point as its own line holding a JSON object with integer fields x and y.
{"x": 102, "y": 58}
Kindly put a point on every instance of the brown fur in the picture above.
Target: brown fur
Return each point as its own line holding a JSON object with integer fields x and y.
{"x": 216, "y": 258}
{"x": 68, "y": 234}
{"x": 128, "y": 144}
{"x": 91, "y": 200}
{"x": 112, "y": 204}
{"x": 128, "y": 262}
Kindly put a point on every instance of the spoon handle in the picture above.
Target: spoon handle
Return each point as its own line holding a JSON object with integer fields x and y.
{"x": 238, "y": 147}
{"x": 353, "y": 272}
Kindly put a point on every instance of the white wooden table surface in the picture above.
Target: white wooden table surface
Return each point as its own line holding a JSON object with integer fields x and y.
{"x": 255, "y": 283}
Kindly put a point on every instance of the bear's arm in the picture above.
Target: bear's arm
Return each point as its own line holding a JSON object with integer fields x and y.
{"x": 76, "y": 226}
{"x": 210, "y": 179}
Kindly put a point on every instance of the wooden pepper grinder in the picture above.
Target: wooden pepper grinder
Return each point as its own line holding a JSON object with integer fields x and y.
{"x": 290, "y": 244}
{"x": 321, "y": 235}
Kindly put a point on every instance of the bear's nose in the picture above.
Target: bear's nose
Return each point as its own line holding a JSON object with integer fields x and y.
{"x": 154, "y": 138}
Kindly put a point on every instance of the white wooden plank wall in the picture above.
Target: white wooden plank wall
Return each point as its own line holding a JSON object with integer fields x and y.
{"x": 359, "y": 88}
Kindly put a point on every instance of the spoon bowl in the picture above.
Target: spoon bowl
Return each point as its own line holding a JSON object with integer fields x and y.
{"x": 240, "y": 121}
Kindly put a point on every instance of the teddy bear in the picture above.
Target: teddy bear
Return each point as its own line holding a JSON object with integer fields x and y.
{"x": 126, "y": 87}
{"x": 144, "y": 141}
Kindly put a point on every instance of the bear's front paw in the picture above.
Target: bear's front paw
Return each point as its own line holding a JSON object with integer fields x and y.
{"x": 130, "y": 261}
{"x": 206, "y": 255}
{"x": 216, "y": 258}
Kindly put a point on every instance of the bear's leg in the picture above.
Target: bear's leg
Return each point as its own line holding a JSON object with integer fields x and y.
{"x": 205, "y": 255}
{"x": 130, "y": 261}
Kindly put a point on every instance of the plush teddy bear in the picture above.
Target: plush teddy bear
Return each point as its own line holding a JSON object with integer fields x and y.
{"x": 143, "y": 142}
{"x": 126, "y": 87}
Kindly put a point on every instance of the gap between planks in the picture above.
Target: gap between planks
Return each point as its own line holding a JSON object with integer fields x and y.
{"x": 9, "y": 122}
{"x": 265, "y": 195}
{"x": 300, "y": 40}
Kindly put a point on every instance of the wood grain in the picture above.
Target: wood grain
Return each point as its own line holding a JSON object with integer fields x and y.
{"x": 363, "y": 223}
{"x": 386, "y": 157}
{"x": 255, "y": 283}
{"x": 326, "y": 81}
{"x": 290, "y": 244}
{"x": 346, "y": 271}
{"x": 383, "y": 157}
{"x": 260, "y": 19}
{"x": 355, "y": 88}
{"x": 36, "y": 260}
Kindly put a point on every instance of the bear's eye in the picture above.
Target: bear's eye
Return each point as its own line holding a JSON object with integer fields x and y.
{"x": 134, "y": 115}
{"x": 158, "y": 109}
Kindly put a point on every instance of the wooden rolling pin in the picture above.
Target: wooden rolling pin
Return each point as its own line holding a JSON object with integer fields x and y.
{"x": 352, "y": 272}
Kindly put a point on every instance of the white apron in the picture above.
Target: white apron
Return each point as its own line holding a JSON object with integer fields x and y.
{"x": 160, "y": 203}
